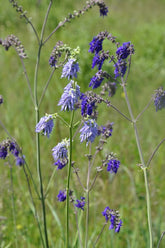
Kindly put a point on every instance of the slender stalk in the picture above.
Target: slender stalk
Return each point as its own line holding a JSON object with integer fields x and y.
{"x": 146, "y": 107}
{"x": 68, "y": 179}
{"x": 99, "y": 234}
{"x": 152, "y": 155}
{"x": 37, "y": 134}
{"x": 87, "y": 199}
{"x": 161, "y": 239}
{"x": 143, "y": 166}
{"x": 13, "y": 206}
{"x": 50, "y": 181}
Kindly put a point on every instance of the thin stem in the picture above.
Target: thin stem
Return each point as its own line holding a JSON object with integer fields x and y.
{"x": 112, "y": 106}
{"x": 13, "y": 206}
{"x": 146, "y": 107}
{"x": 34, "y": 206}
{"x": 152, "y": 155}
{"x": 46, "y": 86}
{"x": 78, "y": 230}
{"x": 68, "y": 178}
{"x": 35, "y": 31}
{"x": 161, "y": 239}
{"x": 99, "y": 235}
{"x": 143, "y": 166}
{"x": 50, "y": 181}
{"x": 27, "y": 79}
{"x": 87, "y": 198}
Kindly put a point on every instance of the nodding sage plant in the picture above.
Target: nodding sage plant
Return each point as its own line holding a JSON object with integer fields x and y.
{"x": 87, "y": 129}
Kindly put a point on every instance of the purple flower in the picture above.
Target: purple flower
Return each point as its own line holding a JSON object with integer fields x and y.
{"x": 80, "y": 203}
{"x": 123, "y": 51}
{"x": 70, "y": 96}
{"x": 120, "y": 68}
{"x": 98, "y": 60}
{"x": 61, "y": 196}
{"x": 52, "y": 61}
{"x": 103, "y": 9}
{"x": 89, "y": 131}
{"x": 118, "y": 226}
{"x": 45, "y": 125}
{"x": 95, "y": 45}
{"x": 13, "y": 149}
{"x": 60, "y": 164}
{"x": 70, "y": 69}
{"x": 159, "y": 99}
{"x": 3, "y": 152}
{"x": 1, "y": 99}
{"x": 96, "y": 80}
{"x": 20, "y": 161}
{"x": 106, "y": 213}
{"x": 60, "y": 151}
{"x": 113, "y": 165}
{"x": 112, "y": 216}
{"x": 87, "y": 106}
{"x": 107, "y": 130}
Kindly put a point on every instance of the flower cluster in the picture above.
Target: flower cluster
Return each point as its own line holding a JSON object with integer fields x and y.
{"x": 9, "y": 146}
{"x": 70, "y": 69}
{"x": 56, "y": 54}
{"x": 96, "y": 80}
{"x": 112, "y": 216}
{"x": 60, "y": 154}
{"x": 159, "y": 99}
{"x": 80, "y": 203}
{"x": 113, "y": 165}
{"x": 70, "y": 96}
{"x": 61, "y": 196}
{"x": 13, "y": 41}
{"x": 89, "y": 131}
{"x": 45, "y": 125}
{"x": 122, "y": 53}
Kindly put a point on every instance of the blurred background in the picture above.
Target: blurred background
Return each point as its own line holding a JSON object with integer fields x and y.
{"x": 142, "y": 23}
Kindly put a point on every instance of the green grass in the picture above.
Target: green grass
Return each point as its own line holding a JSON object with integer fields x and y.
{"x": 142, "y": 23}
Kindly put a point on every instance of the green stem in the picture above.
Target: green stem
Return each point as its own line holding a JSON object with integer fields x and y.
{"x": 87, "y": 199}
{"x": 68, "y": 179}
{"x": 143, "y": 166}
{"x": 13, "y": 206}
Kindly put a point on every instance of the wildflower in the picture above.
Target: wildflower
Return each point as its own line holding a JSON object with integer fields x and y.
{"x": 60, "y": 151}
{"x": 95, "y": 45}
{"x": 98, "y": 60}
{"x": 20, "y": 161}
{"x": 70, "y": 69}
{"x": 120, "y": 68}
{"x": 52, "y": 61}
{"x": 159, "y": 99}
{"x": 96, "y": 80}
{"x": 45, "y": 125}
{"x": 80, "y": 203}
{"x": 103, "y": 9}
{"x": 61, "y": 196}
{"x": 56, "y": 54}
{"x": 1, "y": 99}
{"x": 123, "y": 51}
{"x": 112, "y": 216}
{"x": 3, "y": 152}
{"x": 89, "y": 131}
{"x": 107, "y": 130}
{"x": 60, "y": 164}
{"x": 113, "y": 165}
{"x": 87, "y": 106}
{"x": 13, "y": 149}
{"x": 70, "y": 96}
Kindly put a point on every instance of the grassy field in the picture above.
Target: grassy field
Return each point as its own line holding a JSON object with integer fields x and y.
{"x": 142, "y": 23}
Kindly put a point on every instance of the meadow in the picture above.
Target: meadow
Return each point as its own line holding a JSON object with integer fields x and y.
{"x": 142, "y": 23}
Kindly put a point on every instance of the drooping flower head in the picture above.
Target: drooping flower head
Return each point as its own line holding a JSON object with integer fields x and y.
{"x": 96, "y": 45}
{"x": 1, "y": 99}
{"x": 120, "y": 68}
{"x": 87, "y": 105}
{"x": 89, "y": 131}
{"x": 99, "y": 59}
{"x": 61, "y": 196}
{"x": 3, "y": 152}
{"x": 106, "y": 130}
{"x": 45, "y": 125}
{"x": 61, "y": 163}
{"x": 103, "y": 8}
{"x": 159, "y": 99}
{"x": 20, "y": 161}
{"x": 112, "y": 216}
{"x": 123, "y": 51}
{"x": 56, "y": 54}
{"x": 70, "y": 69}
{"x": 60, "y": 151}
{"x": 70, "y": 96}
{"x": 80, "y": 203}
{"x": 113, "y": 165}
{"x": 96, "y": 80}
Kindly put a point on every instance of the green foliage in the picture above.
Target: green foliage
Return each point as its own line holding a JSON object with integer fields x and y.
{"x": 142, "y": 22}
